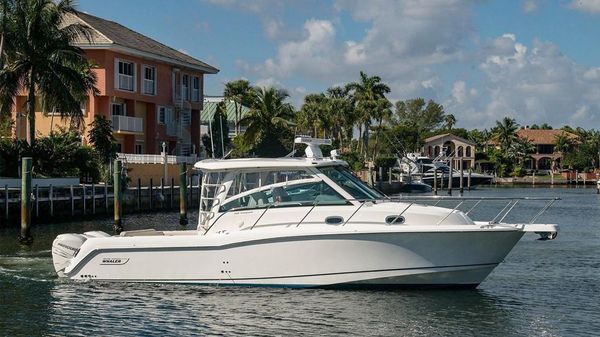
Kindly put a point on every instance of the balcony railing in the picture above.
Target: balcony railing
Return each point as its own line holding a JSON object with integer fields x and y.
{"x": 125, "y": 82}
{"x": 127, "y": 124}
{"x": 156, "y": 158}
{"x": 149, "y": 87}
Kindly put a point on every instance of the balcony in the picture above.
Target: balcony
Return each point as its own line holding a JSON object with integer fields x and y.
{"x": 126, "y": 124}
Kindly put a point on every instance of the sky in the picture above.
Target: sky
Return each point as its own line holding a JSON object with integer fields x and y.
{"x": 537, "y": 61}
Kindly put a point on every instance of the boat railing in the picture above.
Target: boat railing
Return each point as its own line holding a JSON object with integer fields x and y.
{"x": 410, "y": 201}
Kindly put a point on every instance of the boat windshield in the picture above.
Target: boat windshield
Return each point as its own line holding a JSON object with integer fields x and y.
{"x": 350, "y": 183}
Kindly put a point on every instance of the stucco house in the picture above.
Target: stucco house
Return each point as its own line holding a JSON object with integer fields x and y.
{"x": 448, "y": 146}
{"x": 152, "y": 93}
{"x": 545, "y": 156}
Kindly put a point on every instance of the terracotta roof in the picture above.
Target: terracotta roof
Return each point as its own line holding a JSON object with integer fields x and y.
{"x": 109, "y": 33}
{"x": 449, "y": 136}
{"x": 544, "y": 136}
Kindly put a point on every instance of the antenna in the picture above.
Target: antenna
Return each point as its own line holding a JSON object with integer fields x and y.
{"x": 312, "y": 146}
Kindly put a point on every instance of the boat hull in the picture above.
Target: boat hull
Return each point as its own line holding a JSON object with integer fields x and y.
{"x": 384, "y": 259}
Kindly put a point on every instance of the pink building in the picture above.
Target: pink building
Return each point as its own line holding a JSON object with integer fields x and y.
{"x": 153, "y": 94}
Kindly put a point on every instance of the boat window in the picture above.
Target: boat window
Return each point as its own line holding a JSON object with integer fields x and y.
{"x": 245, "y": 181}
{"x": 211, "y": 185}
{"x": 298, "y": 194}
{"x": 350, "y": 183}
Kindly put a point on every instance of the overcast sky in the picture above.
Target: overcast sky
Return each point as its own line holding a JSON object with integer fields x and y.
{"x": 535, "y": 60}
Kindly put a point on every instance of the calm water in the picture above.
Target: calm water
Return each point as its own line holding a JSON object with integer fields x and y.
{"x": 547, "y": 288}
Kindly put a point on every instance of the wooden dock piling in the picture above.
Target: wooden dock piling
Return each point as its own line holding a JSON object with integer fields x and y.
{"x": 93, "y": 199}
{"x": 183, "y": 194}
{"x": 435, "y": 181}
{"x": 139, "y": 195}
{"x": 51, "y": 197}
{"x": 117, "y": 182}
{"x": 25, "y": 235}
{"x": 450, "y": 172}
{"x": 462, "y": 176}
{"x": 151, "y": 194}
{"x": 172, "y": 194}
{"x": 469, "y": 179}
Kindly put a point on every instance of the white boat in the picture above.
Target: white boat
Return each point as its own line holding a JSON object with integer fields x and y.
{"x": 299, "y": 222}
{"x": 423, "y": 169}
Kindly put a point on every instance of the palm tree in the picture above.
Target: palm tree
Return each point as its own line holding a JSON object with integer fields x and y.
{"x": 562, "y": 142}
{"x": 341, "y": 110}
{"x": 239, "y": 92}
{"x": 269, "y": 116}
{"x": 520, "y": 149}
{"x": 314, "y": 114}
{"x": 450, "y": 121}
{"x": 505, "y": 132}
{"x": 366, "y": 93}
{"x": 39, "y": 58}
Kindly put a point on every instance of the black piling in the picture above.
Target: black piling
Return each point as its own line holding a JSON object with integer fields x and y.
{"x": 183, "y": 194}
{"x": 25, "y": 235}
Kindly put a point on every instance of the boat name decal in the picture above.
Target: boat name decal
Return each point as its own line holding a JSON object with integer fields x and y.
{"x": 114, "y": 260}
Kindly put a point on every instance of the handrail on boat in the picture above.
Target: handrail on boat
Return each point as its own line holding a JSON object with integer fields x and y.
{"x": 512, "y": 202}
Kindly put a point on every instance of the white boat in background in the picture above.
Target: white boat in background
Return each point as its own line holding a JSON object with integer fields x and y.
{"x": 300, "y": 222}
{"x": 422, "y": 168}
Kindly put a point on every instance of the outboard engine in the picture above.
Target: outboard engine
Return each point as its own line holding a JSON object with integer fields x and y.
{"x": 66, "y": 246}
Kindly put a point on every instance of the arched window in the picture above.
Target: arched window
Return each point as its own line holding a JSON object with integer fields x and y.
{"x": 429, "y": 151}
{"x": 459, "y": 152}
{"x": 436, "y": 151}
{"x": 468, "y": 154}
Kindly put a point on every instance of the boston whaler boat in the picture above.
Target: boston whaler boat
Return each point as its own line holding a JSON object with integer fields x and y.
{"x": 301, "y": 222}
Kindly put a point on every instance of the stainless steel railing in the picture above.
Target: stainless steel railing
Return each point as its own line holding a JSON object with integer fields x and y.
{"x": 408, "y": 202}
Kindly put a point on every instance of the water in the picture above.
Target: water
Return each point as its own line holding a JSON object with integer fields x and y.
{"x": 542, "y": 289}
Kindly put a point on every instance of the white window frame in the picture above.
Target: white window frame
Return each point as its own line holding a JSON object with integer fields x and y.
{"x": 185, "y": 94}
{"x": 164, "y": 112}
{"x": 139, "y": 143}
{"x": 167, "y": 114}
{"x": 82, "y": 105}
{"x": 117, "y": 74}
{"x": 117, "y": 103}
{"x": 143, "y": 79}
{"x": 195, "y": 91}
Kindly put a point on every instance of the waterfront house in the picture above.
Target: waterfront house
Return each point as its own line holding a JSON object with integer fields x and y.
{"x": 152, "y": 93}
{"x": 447, "y": 145}
{"x": 208, "y": 113}
{"x": 545, "y": 157}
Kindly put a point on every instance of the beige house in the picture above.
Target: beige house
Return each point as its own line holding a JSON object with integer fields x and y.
{"x": 546, "y": 157}
{"x": 446, "y": 146}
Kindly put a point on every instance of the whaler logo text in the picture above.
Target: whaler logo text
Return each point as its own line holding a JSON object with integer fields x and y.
{"x": 114, "y": 260}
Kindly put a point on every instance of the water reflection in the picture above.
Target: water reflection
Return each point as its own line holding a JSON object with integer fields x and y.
{"x": 157, "y": 308}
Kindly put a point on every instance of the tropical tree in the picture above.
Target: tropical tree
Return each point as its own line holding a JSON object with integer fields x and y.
{"x": 39, "y": 58}
{"x": 101, "y": 137}
{"x": 314, "y": 115}
{"x": 341, "y": 110}
{"x": 368, "y": 94}
{"x": 520, "y": 149}
{"x": 450, "y": 121}
{"x": 562, "y": 142}
{"x": 505, "y": 132}
{"x": 383, "y": 112}
{"x": 268, "y": 121}
{"x": 239, "y": 92}
{"x": 419, "y": 116}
